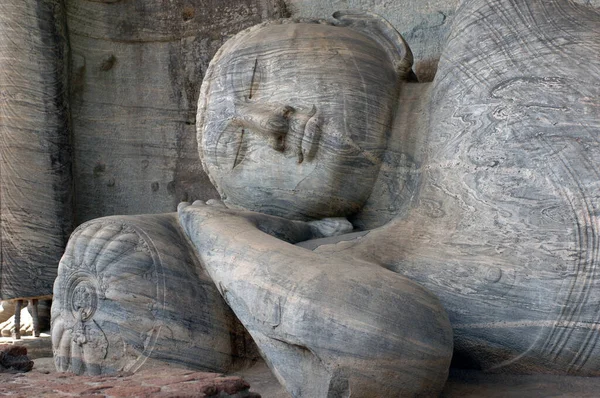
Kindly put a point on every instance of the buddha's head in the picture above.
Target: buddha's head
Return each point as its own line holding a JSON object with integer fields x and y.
{"x": 293, "y": 117}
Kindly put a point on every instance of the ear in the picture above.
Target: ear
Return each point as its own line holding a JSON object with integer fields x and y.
{"x": 383, "y": 33}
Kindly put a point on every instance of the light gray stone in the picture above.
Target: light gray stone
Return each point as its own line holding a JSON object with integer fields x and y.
{"x": 424, "y": 24}
{"x": 476, "y": 197}
{"x": 136, "y": 72}
{"x": 289, "y": 112}
{"x": 105, "y": 92}
{"x": 497, "y": 176}
{"x": 35, "y": 152}
{"x": 326, "y": 326}
{"x": 502, "y": 222}
{"x": 129, "y": 289}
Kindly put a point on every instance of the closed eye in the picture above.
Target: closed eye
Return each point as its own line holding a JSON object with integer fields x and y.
{"x": 254, "y": 80}
{"x": 241, "y": 149}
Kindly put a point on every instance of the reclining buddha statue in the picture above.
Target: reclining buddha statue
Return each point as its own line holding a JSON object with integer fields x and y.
{"x": 371, "y": 227}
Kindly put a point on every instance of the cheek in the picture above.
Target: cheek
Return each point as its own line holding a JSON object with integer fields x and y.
{"x": 264, "y": 168}
{"x": 226, "y": 148}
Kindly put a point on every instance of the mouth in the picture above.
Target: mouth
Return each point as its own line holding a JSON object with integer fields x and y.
{"x": 299, "y": 139}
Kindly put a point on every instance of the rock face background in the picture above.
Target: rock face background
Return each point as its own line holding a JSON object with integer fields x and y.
{"x": 121, "y": 130}
{"x": 423, "y": 24}
{"x": 137, "y": 67}
{"x": 35, "y": 152}
{"x": 136, "y": 70}
{"x": 97, "y": 108}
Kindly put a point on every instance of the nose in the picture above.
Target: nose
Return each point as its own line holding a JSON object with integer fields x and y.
{"x": 292, "y": 132}
{"x": 273, "y": 122}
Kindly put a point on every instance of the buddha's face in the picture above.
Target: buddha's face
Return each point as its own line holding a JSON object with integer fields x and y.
{"x": 293, "y": 120}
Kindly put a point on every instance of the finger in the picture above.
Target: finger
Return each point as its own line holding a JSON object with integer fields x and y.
{"x": 182, "y": 206}
{"x": 216, "y": 203}
{"x": 331, "y": 226}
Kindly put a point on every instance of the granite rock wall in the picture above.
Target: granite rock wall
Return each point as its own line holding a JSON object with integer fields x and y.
{"x": 35, "y": 152}
{"x": 126, "y": 76}
{"x": 136, "y": 70}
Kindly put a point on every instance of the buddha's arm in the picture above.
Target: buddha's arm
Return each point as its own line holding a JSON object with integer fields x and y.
{"x": 331, "y": 316}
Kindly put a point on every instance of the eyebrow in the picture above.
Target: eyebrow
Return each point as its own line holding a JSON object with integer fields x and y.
{"x": 253, "y": 77}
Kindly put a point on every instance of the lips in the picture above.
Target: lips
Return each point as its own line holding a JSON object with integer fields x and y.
{"x": 286, "y": 130}
{"x": 311, "y": 135}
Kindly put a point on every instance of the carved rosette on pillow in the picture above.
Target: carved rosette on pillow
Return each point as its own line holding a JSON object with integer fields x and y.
{"x": 129, "y": 288}
{"x": 109, "y": 296}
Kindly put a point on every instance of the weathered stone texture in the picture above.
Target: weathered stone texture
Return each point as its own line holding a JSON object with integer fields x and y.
{"x": 286, "y": 117}
{"x": 516, "y": 117}
{"x": 134, "y": 78}
{"x": 136, "y": 73}
{"x": 424, "y": 24}
{"x": 325, "y": 326}
{"x": 504, "y": 226}
{"x": 35, "y": 153}
{"x": 499, "y": 224}
{"x": 128, "y": 289}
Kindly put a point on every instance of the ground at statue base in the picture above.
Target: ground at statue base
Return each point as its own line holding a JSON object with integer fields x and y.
{"x": 466, "y": 384}
{"x": 162, "y": 380}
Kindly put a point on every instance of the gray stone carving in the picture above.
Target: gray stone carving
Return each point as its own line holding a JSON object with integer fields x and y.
{"x": 266, "y": 155}
{"x": 500, "y": 223}
{"x": 327, "y": 326}
{"x": 137, "y": 66}
{"x": 504, "y": 229}
{"x": 289, "y": 114}
{"x": 474, "y": 195}
{"x": 97, "y": 113}
{"x": 129, "y": 289}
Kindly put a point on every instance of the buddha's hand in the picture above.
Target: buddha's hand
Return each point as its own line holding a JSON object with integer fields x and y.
{"x": 332, "y": 226}
{"x": 214, "y": 216}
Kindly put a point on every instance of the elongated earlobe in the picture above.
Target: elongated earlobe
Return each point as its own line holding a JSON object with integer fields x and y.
{"x": 385, "y": 34}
